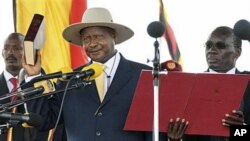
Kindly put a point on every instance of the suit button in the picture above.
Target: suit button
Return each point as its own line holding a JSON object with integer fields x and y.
{"x": 98, "y": 133}
{"x": 99, "y": 114}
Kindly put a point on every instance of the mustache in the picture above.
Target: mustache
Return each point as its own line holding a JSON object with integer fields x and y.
{"x": 11, "y": 57}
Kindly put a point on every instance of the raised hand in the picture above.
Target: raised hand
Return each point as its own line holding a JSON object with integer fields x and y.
{"x": 33, "y": 70}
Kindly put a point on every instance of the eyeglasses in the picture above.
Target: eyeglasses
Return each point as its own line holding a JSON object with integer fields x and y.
{"x": 218, "y": 45}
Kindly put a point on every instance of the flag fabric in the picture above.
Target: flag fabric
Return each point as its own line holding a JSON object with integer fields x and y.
{"x": 169, "y": 35}
{"x": 56, "y": 52}
{"x": 78, "y": 54}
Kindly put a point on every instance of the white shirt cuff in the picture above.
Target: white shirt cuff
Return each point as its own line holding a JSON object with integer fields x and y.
{"x": 28, "y": 78}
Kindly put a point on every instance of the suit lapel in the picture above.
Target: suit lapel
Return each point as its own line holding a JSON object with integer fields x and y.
{"x": 237, "y": 71}
{"x": 91, "y": 89}
{"x": 4, "y": 88}
{"x": 94, "y": 93}
{"x": 120, "y": 79}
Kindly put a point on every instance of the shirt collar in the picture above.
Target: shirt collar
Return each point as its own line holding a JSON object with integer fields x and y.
{"x": 232, "y": 71}
{"x": 112, "y": 64}
{"x": 7, "y": 75}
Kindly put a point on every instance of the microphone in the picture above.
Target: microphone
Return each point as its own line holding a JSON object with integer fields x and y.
{"x": 242, "y": 29}
{"x": 27, "y": 120}
{"x": 156, "y": 29}
{"x": 171, "y": 65}
{"x": 91, "y": 72}
{"x": 30, "y": 91}
{"x": 67, "y": 73}
{"x": 24, "y": 93}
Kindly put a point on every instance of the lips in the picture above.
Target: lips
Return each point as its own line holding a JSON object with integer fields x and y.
{"x": 211, "y": 58}
{"x": 94, "y": 50}
{"x": 11, "y": 59}
{"x": 212, "y": 61}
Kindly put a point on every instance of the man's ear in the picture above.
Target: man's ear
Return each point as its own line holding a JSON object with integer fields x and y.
{"x": 238, "y": 52}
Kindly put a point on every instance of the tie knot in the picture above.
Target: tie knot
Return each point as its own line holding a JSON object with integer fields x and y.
{"x": 13, "y": 81}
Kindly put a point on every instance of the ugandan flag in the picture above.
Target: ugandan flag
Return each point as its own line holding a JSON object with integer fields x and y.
{"x": 169, "y": 36}
{"x": 56, "y": 52}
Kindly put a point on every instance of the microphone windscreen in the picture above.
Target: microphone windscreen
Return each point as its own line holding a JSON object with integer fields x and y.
{"x": 97, "y": 67}
{"x": 156, "y": 29}
{"x": 242, "y": 29}
{"x": 35, "y": 120}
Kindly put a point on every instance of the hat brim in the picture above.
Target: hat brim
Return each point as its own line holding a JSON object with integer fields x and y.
{"x": 72, "y": 32}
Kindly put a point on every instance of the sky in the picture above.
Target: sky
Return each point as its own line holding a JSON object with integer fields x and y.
{"x": 191, "y": 20}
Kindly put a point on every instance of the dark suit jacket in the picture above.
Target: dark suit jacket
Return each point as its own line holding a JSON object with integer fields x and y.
{"x": 19, "y": 133}
{"x": 87, "y": 119}
{"x": 244, "y": 107}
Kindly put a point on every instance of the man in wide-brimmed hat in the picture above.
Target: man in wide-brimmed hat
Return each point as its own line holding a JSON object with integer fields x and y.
{"x": 99, "y": 110}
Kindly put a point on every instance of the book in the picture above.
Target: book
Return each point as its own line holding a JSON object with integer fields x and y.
{"x": 34, "y": 38}
{"x": 203, "y": 99}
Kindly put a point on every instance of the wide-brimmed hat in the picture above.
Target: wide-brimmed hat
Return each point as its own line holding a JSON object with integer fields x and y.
{"x": 96, "y": 17}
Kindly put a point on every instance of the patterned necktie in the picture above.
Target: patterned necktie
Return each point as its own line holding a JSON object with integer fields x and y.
{"x": 100, "y": 85}
{"x": 14, "y": 82}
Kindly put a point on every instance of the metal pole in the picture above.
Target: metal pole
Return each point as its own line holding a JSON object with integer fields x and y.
{"x": 156, "y": 83}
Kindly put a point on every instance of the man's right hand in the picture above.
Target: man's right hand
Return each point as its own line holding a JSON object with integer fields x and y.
{"x": 30, "y": 69}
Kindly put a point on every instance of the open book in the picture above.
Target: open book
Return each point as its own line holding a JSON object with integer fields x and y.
{"x": 34, "y": 38}
{"x": 203, "y": 99}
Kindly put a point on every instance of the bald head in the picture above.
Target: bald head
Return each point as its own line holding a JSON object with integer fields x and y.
{"x": 12, "y": 53}
{"x": 15, "y": 36}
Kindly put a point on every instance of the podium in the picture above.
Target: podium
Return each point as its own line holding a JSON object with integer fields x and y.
{"x": 203, "y": 99}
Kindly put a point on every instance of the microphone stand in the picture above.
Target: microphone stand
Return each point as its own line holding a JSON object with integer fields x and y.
{"x": 156, "y": 83}
{"x": 4, "y": 128}
{"x": 8, "y": 124}
{"x": 9, "y": 105}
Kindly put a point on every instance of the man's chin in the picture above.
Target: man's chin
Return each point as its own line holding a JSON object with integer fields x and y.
{"x": 214, "y": 67}
{"x": 12, "y": 67}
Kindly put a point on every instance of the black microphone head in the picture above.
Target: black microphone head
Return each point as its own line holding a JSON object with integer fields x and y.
{"x": 35, "y": 120}
{"x": 27, "y": 119}
{"x": 242, "y": 29}
{"x": 156, "y": 29}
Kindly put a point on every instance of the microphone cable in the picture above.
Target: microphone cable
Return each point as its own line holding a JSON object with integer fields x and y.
{"x": 77, "y": 85}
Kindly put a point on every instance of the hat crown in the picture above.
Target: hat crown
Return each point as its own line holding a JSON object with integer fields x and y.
{"x": 94, "y": 15}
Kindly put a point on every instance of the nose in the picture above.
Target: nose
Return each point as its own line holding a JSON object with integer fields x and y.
{"x": 92, "y": 43}
{"x": 212, "y": 49}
